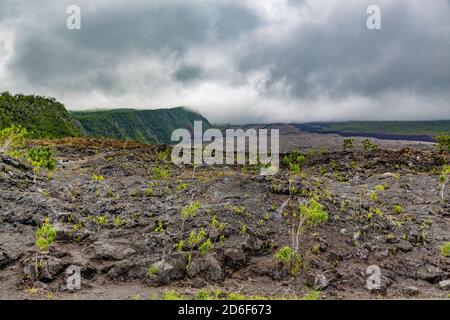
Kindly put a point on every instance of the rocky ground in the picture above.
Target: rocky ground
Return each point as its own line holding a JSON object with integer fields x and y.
{"x": 125, "y": 231}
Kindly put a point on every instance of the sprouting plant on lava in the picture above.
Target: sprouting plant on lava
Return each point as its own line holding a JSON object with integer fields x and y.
{"x": 244, "y": 231}
{"x": 189, "y": 211}
{"x": 369, "y": 145}
{"x": 309, "y": 215}
{"x": 118, "y": 222}
{"x": 182, "y": 186}
{"x": 160, "y": 173}
{"x": 153, "y": 270}
{"x": 443, "y": 179}
{"x": 45, "y": 236}
{"x": 294, "y": 161}
{"x": 159, "y": 227}
{"x": 398, "y": 209}
{"x": 290, "y": 259}
{"x": 443, "y": 143}
{"x": 445, "y": 250}
{"x": 97, "y": 177}
{"x": 348, "y": 144}
{"x": 194, "y": 240}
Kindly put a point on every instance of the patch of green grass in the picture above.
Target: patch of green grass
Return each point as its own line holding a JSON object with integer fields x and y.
{"x": 313, "y": 295}
{"x": 171, "y": 295}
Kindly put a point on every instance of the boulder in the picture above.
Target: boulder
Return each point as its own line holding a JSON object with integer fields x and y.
{"x": 208, "y": 267}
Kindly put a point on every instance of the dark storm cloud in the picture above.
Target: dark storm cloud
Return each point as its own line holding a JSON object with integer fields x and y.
{"x": 187, "y": 73}
{"x": 111, "y": 35}
{"x": 342, "y": 57}
{"x": 247, "y": 61}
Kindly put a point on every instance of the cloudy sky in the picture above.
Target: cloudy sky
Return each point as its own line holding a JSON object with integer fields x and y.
{"x": 234, "y": 61}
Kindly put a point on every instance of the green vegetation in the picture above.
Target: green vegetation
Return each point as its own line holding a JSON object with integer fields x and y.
{"x": 153, "y": 270}
{"x": 398, "y": 209}
{"x": 190, "y": 210}
{"x": 443, "y": 179}
{"x": 12, "y": 137}
{"x": 348, "y": 144}
{"x": 41, "y": 157}
{"x": 443, "y": 142}
{"x": 309, "y": 215}
{"x": 313, "y": 295}
{"x": 294, "y": 161}
{"x": 171, "y": 295}
{"x": 42, "y": 117}
{"x": 45, "y": 235}
{"x": 145, "y": 126}
{"x": 159, "y": 227}
{"x": 97, "y": 178}
{"x": 291, "y": 259}
{"x": 12, "y": 142}
{"x": 160, "y": 173}
{"x": 369, "y": 145}
{"x": 445, "y": 250}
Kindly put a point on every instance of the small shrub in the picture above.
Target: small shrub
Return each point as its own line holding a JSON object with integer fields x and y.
{"x": 235, "y": 209}
{"x": 314, "y": 213}
{"x": 294, "y": 161}
{"x": 118, "y": 222}
{"x": 160, "y": 173}
{"x": 190, "y": 210}
{"x": 148, "y": 192}
{"x": 445, "y": 250}
{"x": 12, "y": 137}
{"x": 45, "y": 235}
{"x": 134, "y": 193}
{"x": 159, "y": 227}
{"x": 182, "y": 186}
{"x": 398, "y": 209}
{"x": 369, "y": 145}
{"x": 443, "y": 178}
{"x": 97, "y": 178}
{"x": 206, "y": 247}
{"x": 443, "y": 143}
{"x": 41, "y": 158}
{"x": 153, "y": 271}
{"x": 290, "y": 259}
{"x": 348, "y": 144}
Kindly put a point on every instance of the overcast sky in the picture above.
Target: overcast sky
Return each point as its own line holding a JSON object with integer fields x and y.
{"x": 234, "y": 61}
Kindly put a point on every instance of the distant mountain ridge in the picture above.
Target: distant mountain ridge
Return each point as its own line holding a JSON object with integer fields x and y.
{"x": 145, "y": 126}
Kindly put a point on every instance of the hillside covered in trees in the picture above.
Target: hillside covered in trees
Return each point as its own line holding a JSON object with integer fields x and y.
{"x": 47, "y": 118}
{"x": 43, "y": 117}
{"x": 145, "y": 126}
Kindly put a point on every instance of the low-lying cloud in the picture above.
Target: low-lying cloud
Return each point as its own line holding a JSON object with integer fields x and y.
{"x": 235, "y": 62}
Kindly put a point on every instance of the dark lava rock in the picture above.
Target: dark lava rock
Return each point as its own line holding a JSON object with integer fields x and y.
{"x": 234, "y": 257}
{"x": 430, "y": 273}
{"x": 404, "y": 245}
{"x": 209, "y": 267}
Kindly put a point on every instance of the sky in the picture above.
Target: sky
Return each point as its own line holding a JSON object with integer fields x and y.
{"x": 237, "y": 62}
